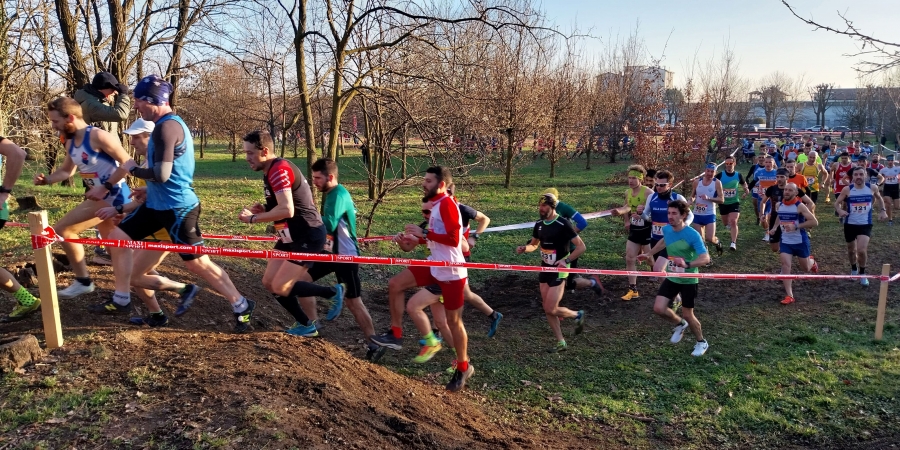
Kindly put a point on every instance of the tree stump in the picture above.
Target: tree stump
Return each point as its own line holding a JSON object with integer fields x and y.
{"x": 18, "y": 351}
{"x": 28, "y": 203}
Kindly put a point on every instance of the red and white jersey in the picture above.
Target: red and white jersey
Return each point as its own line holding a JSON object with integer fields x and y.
{"x": 445, "y": 235}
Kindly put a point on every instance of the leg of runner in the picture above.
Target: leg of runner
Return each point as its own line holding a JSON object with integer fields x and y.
{"x": 696, "y": 329}
{"x": 551, "y": 296}
{"x": 478, "y": 303}
{"x": 662, "y": 309}
{"x": 632, "y": 250}
{"x": 70, "y": 226}
{"x": 219, "y": 280}
{"x": 710, "y": 233}
{"x": 592, "y": 283}
{"x": 397, "y": 287}
{"x": 732, "y": 220}
{"x": 453, "y": 304}
{"x": 416, "y": 310}
{"x": 851, "y": 255}
{"x": 26, "y": 303}
{"x": 145, "y": 261}
{"x": 862, "y": 256}
{"x": 787, "y": 260}
{"x": 288, "y": 302}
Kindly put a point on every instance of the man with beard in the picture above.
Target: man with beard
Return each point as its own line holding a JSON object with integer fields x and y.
{"x": 857, "y": 215}
{"x": 638, "y": 229}
{"x": 751, "y": 181}
{"x": 775, "y": 194}
{"x": 553, "y": 235}
{"x": 793, "y": 219}
{"x": 97, "y": 156}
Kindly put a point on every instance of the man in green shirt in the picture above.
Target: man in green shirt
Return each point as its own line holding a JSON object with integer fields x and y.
{"x": 339, "y": 217}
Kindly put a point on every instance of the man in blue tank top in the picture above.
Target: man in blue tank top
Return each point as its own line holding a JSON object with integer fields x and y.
{"x": 170, "y": 204}
{"x": 792, "y": 220}
{"x": 857, "y": 214}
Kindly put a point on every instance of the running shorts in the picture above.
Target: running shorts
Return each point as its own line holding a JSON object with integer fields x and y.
{"x": 346, "y": 273}
{"x": 800, "y": 250}
{"x": 852, "y": 231}
{"x": 640, "y": 236}
{"x": 727, "y": 209}
{"x": 892, "y": 191}
{"x": 453, "y": 290}
{"x": 705, "y": 219}
{"x": 311, "y": 242}
{"x": 670, "y": 289}
{"x": 181, "y": 225}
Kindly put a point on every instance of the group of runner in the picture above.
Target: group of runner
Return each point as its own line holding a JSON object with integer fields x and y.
{"x": 663, "y": 227}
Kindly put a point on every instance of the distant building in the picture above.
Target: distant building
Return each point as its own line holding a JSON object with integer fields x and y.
{"x": 659, "y": 78}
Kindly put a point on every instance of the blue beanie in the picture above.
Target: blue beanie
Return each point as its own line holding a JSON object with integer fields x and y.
{"x": 153, "y": 89}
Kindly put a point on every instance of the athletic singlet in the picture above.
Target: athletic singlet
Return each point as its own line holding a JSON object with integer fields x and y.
{"x": 283, "y": 175}
{"x": 633, "y": 201}
{"x": 705, "y": 207}
{"x": 790, "y": 218}
{"x": 841, "y": 177}
{"x": 161, "y": 234}
{"x": 96, "y": 167}
{"x": 659, "y": 213}
{"x": 730, "y": 184}
{"x": 178, "y": 191}
{"x": 859, "y": 203}
{"x": 764, "y": 180}
{"x": 890, "y": 174}
{"x": 811, "y": 172}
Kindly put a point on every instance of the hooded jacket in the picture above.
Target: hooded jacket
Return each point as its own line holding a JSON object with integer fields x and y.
{"x": 98, "y": 112}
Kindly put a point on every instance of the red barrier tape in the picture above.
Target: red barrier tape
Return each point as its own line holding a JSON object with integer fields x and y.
{"x": 380, "y": 260}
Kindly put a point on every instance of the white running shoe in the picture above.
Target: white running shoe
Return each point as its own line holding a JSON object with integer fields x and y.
{"x": 766, "y": 238}
{"x": 852, "y": 273}
{"x": 733, "y": 246}
{"x": 700, "y": 348}
{"x": 678, "y": 332}
{"x": 75, "y": 289}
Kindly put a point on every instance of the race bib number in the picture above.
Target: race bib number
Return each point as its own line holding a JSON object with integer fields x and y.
{"x": 637, "y": 221}
{"x": 757, "y": 189}
{"x": 860, "y": 208}
{"x": 657, "y": 228}
{"x": 548, "y": 256}
{"x": 810, "y": 180}
{"x": 90, "y": 179}
{"x": 730, "y": 193}
{"x": 890, "y": 180}
{"x": 329, "y": 243}
{"x": 701, "y": 209}
{"x": 283, "y": 233}
{"x": 672, "y": 268}
{"x": 789, "y": 226}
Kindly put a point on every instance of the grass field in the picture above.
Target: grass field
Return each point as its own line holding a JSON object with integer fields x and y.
{"x": 808, "y": 375}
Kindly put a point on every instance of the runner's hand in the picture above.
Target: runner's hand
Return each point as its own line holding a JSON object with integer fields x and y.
{"x": 107, "y": 213}
{"x": 40, "y": 179}
{"x": 257, "y": 208}
{"x": 562, "y": 264}
{"x": 882, "y": 217}
{"x": 471, "y": 241}
{"x": 139, "y": 194}
{"x": 414, "y": 230}
{"x": 520, "y": 249}
{"x": 245, "y": 215}
{"x": 3, "y": 198}
{"x": 842, "y": 213}
{"x": 678, "y": 262}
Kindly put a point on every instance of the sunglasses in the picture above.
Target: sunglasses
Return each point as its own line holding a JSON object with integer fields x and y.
{"x": 662, "y": 184}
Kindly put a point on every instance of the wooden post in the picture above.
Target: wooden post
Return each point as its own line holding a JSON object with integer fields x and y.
{"x": 882, "y": 301}
{"x": 43, "y": 259}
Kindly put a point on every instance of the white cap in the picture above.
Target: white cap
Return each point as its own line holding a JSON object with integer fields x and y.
{"x": 140, "y": 126}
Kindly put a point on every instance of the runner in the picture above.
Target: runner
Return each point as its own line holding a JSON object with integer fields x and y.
{"x": 291, "y": 207}
{"x": 873, "y": 177}
{"x": 145, "y": 262}
{"x": 730, "y": 211}
{"x": 339, "y": 215}
{"x": 706, "y": 192}
{"x": 638, "y": 229}
{"x": 797, "y": 178}
{"x": 859, "y": 197}
{"x": 891, "y": 173}
{"x": 815, "y": 173}
{"x": 579, "y": 223}
{"x": 839, "y": 172}
{"x": 97, "y": 156}
{"x": 444, "y": 239}
{"x": 751, "y": 181}
{"x": 793, "y": 219}
{"x": 26, "y": 304}
{"x": 685, "y": 252}
{"x": 656, "y": 211}
{"x": 775, "y": 194}
{"x": 553, "y": 235}
{"x": 170, "y": 203}
{"x": 762, "y": 180}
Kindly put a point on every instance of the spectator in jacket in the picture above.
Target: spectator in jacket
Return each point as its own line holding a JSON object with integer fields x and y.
{"x": 105, "y": 102}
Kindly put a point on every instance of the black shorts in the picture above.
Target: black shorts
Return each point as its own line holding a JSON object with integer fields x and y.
{"x": 640, "y": 236}
{"x": 728, "y": 208}
{"x": 892, "y": 191}
{"x": 670, "y": 289}
{"x": 181, "y": 224}
{"x": 313, "y": 241}
{"x": 662, "y": 253}
{"x": 852, "y": 231}
{"x": 814, "y": 196}
{"x": 552, "y": 279}
{"x": 346, "y": 273}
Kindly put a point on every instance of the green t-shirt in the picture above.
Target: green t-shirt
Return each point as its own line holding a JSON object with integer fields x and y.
{"x": 339, "y": 216}
{"x": 801, "y": 158}
{"x": 730, "y": 185}
{"x": 687, "y": 244}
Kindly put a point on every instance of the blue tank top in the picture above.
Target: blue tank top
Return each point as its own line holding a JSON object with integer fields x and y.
{"x": 659, "y": 213}
{"x": 96, "y": 167}
{"x": 859, "y": 202}
{"x": 178, "y": 191}
{"x": 790, "y": 217}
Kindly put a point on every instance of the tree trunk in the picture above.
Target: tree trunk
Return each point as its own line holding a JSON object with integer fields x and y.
{"x": 202, "y": 140}
{"x": 403, "y": 151}
{"x": 303, "y": 85}
{"x": 509, "y": 156}
{"x": 233, "y": 146}
{"x": 590, "y": 148}
{"x": 69, "y": 27}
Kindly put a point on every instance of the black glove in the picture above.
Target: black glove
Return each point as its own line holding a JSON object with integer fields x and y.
{"x": 121, "y": 88}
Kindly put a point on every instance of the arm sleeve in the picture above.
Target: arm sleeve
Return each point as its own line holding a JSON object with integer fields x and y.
{"x": 741, "y": 179}
{"x": 579, "y": 221}
{"x": 101, "y": 112}
{"x": 164, "y": 142}
{"x": 646, "y": 214}
{"x": 451, "y": 219}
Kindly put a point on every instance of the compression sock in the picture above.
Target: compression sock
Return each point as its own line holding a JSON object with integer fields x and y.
{"x": 462, "y": 366}
{"x": 397, "y": 331}
{"x": 240, "y": 306}
{"x": 862, "y": 270}
{"x": 24, "y": 297}
{"x": 293, "y": 307}
{"x": 307, "y": 289}
{"x": 86, "y": 281}
{"x": 854, "y": 267}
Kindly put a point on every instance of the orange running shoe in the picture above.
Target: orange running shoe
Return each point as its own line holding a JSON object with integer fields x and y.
{"x": 787, "y": 300}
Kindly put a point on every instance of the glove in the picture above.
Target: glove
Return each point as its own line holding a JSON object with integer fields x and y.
{"x": 121, "y": 88}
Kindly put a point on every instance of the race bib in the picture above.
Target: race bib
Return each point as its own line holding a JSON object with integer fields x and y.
{"x": 730, "y": 193}
{"x": 890, "y": 180}
{"x": 548, "y": 256}
{"x": 789, "y": 226}
{"x": 757, "y": 189}
{"x": 329, "y": 243}
{"x": 671, "y": 267}
{"x": 810, "y": 180}
{"x": 657, "y": 228}
{"x": 90, "y": 179}
{"x": 701, "y": 209}
{"x": 637, "y": 221}
{"x": 860, "y": 208}
{"x": 283, "y": 233}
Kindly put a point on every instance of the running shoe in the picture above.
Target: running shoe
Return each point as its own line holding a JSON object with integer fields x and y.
{"x": 388, "y": 340}
{"x": 787, "y": 300}
{"x": 733, "y": 247}
{"x": 337, "y": 303}
{"x": 101, "y": 260}
{"x": 242, "y": 319}
{"x": 186, "y": 299}
{"x": 631, "y": 295}
{"x": 827, "y": 200}
{"x": 452, "y": 367}
{"x": 560, "y": 347}
{"x": 495, "y": 322}
{"x": 815, "y": 266}
{"x": 766, "y": 237}
{"x": 20, "y": 311}
{"x": 864, "y": 281}
{"x": 579, "y": 321}
{"x": 890, "y": 223}
{"x": 678, "y": 332}
{"x": 297, "y": 329}
{"x": 719, "y": 248}
{"x": 458, "y": 381}
{"x": 75, "y": 289}
{"x": 156, "y": 320}
{"x": 853, "y": 274}
{"x": 700, "y": 348}
{"x": 598, "y": 286}
{"x": 374, "y": 353}
{"x": 109, "y": 307}
{"x": 427, "y": 352}
{"x": 437, "y": 334}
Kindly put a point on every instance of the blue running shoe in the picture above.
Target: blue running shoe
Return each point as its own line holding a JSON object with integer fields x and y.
{"x": 337, "y": 304}
{"x": 186, "y": 299}
{"x": 303, "y": 330}
{"x": 495, "y": 322}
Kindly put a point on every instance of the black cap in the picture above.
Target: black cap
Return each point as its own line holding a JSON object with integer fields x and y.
{"x": 104, "y": 80}
{"x": 843, "y": 154}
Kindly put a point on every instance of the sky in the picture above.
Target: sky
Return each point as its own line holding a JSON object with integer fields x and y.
{"x": 763, "y": 34}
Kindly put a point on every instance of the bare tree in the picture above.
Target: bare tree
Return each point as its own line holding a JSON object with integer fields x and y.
{"x": 771, "y": 95}
{"x": 794, "y": 100}
{"x": 821, "y": 95}
{"x": 674, "y": 101}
